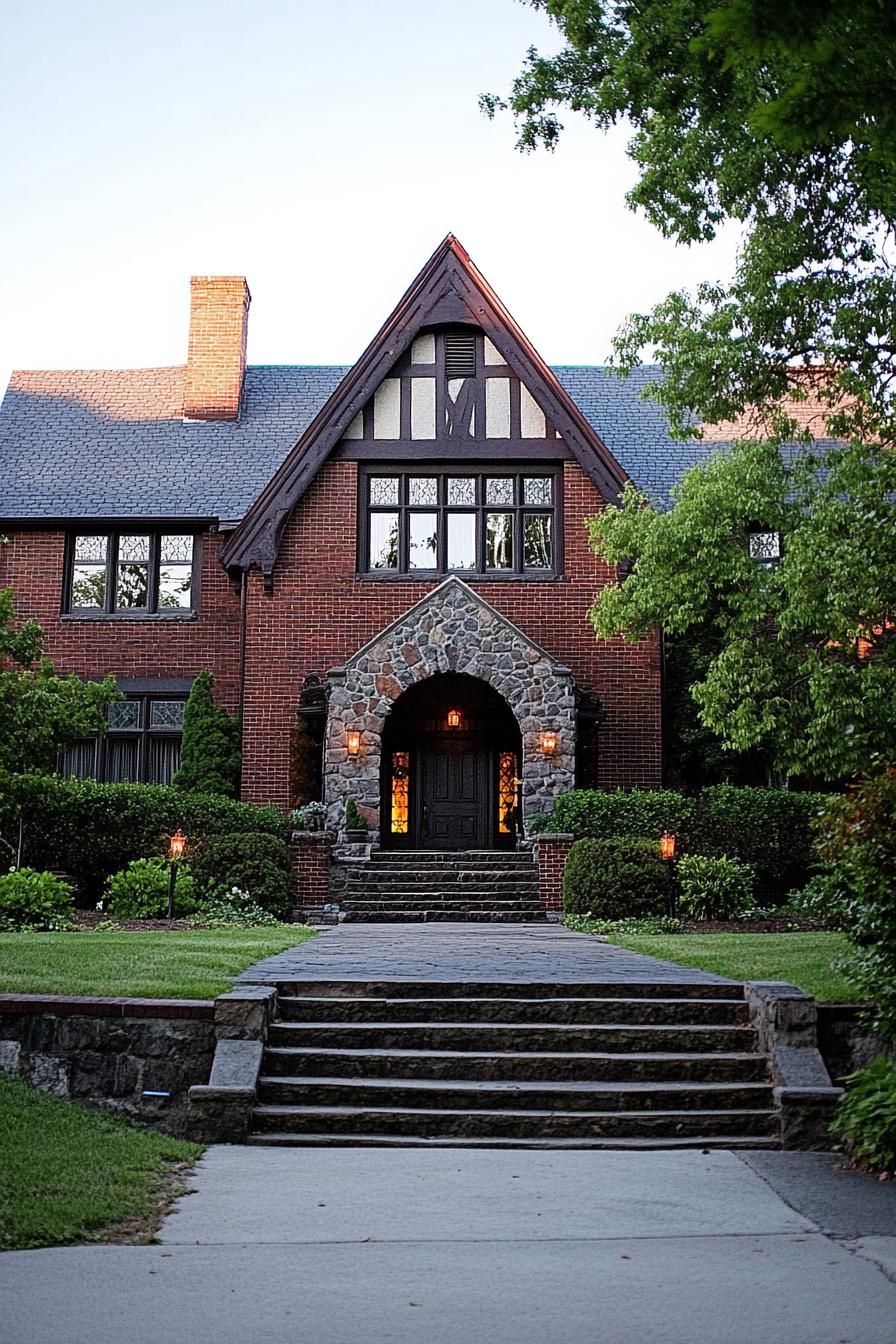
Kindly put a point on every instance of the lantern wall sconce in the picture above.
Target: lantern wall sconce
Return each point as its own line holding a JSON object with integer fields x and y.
{"x": 353, "y": 742}
{"x": 668, "y": 845}
{"x": 454, "y": 718}
{"x": 550, "y": 742}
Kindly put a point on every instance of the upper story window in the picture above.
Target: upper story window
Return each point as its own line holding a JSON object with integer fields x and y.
{"x": 495, "y": 523}
{"x": 132, "y": 572}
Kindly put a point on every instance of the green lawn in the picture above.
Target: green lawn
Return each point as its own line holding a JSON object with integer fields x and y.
{"x": 70, "y": 1174}
{"x": 805, "y": 959}
{"x": 193, "y": 964}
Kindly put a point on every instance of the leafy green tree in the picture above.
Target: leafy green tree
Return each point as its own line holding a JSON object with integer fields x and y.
{"x": 806, "y": 661}
{"x": 775, "y": 113}
{"x": 210, "y": 755}
{"x": 40, "y": 713}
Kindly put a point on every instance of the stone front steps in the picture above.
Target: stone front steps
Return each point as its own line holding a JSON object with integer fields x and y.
{"x": 480, "y": 886}
{"x": 514, "y": 1065}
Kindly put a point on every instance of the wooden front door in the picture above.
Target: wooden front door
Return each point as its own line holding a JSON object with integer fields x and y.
{"x": 454, "y": 798}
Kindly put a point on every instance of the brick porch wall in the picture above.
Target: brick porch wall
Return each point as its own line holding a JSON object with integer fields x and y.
{"x": 551, "y": 852}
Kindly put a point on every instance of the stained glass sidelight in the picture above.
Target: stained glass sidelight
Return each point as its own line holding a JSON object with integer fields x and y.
{"x": 507, "y": 793}
{"x": 400, "y": 793}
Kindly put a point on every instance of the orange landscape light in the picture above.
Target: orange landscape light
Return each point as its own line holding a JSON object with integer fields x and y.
{"x": 667, "y": 845}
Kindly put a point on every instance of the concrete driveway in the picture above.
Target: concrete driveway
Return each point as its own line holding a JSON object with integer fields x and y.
{"x": 410, "y": 1246}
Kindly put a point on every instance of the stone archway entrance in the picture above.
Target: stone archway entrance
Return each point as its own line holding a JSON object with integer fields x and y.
{"x": 451, "y": 630}
{"x": 450, "y": 767}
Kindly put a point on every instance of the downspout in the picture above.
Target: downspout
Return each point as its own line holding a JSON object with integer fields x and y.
{"x": 244, "y": 596}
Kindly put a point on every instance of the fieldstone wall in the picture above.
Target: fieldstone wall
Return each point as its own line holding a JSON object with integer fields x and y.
{"x": 111, "y": 1052}
{"x": 451, "y": 630}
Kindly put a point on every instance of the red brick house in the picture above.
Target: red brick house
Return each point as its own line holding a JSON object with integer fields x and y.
{"x": 393, "y": 554}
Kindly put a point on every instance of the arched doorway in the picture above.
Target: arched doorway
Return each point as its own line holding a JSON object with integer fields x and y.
{"x": 450, "y": 767}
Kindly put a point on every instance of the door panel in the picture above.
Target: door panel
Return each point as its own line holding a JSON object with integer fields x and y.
{"x": 455, "y": 812}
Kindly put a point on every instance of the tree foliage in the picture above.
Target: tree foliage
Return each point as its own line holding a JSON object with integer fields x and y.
{"x": 210, "y": 754}
{"x": 40, "y": 713}
{"x": 806, "y": 666}
{"x": 774, "y": 113}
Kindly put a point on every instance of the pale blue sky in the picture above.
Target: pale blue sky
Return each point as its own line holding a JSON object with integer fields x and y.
{"x": 321, "y": 149}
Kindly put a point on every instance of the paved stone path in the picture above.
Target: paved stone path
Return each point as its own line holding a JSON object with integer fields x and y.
{"x": 475, "y": 952}
{"x": 347, "y": 1246}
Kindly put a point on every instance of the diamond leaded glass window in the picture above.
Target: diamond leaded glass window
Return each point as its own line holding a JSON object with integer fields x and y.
{"x": 134, "y": 573}
{"x": 141, "y": 744}
{"x": 473, "y": 522}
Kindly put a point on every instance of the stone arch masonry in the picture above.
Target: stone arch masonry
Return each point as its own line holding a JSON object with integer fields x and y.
{"x": 452, "y": 629}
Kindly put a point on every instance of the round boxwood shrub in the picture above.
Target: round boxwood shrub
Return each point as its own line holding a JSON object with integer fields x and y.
{"x": 615, "y": 879}
{"x": 34, "y": 900}
{"x": 140, "y": 891}
{"x": 714, "y": 888}
{"x": 258, "y": 864}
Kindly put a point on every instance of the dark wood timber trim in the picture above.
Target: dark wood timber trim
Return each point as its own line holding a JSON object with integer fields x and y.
{"x": 436, "y": 450}
{"x": 449, "y": 289}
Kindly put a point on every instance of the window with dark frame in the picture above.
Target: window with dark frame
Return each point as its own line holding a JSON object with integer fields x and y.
{"x": 497, "y": 522}
{"x": 137, "y": 572}
{"x": 141, "y": 744}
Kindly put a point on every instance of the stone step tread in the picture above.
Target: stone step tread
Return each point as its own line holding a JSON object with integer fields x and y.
{"x": 561, "y": 1086}
{"x": 277, "y": 1109}
{"x": 432, "y": 1000}
{"x": 728, "y": 990}
{"x": 708, "y": 1028}
{"x": 310, "y": 1140}
{"x": 659, "y": 1056}
{"x": 452, "y": 916}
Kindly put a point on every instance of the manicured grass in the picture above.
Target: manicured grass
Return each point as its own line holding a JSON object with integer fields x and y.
{"x": 70, "y": 1174}
{"x": 805, "y": 959}
{"x": 188, "y": 964}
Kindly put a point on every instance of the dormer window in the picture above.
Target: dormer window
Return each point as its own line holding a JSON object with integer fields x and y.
{"x": 496, "y": 523}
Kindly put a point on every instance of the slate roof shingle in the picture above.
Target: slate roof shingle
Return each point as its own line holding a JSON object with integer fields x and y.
{"x": 113, "y": 443}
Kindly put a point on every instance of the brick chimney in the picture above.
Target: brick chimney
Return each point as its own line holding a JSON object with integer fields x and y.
{"x": 216, "y": 360}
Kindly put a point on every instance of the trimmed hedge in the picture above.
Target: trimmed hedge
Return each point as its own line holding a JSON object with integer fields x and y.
{"x": 772, "y": 830}
{"x": 615, "y": 879}
{"x": 33, "y": 900}
{"x": 92, "y": 830}
{"x": 712, "y": 887}
{"x": 258, "y": 864}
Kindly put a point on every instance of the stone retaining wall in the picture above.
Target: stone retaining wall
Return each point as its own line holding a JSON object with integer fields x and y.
{"x": 111, "y": 1052}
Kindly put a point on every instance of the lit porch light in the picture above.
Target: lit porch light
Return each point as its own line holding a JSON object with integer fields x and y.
{"x": 454, "y": 718}
{"x": 550, "y": 742}
{"x": 353, "y": 742}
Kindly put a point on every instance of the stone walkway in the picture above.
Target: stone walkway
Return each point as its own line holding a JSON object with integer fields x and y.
{"x": 540, "y": 953}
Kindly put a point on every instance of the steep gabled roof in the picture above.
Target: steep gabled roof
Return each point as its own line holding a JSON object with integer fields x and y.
{"x": 448, "y": 289}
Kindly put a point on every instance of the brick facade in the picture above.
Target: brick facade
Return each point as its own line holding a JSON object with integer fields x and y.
{"x": 320, "y": 613}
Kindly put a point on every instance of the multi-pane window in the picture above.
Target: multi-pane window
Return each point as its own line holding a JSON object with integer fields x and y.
{"x": 137, "y": 572}
{"x": 500, "y": 522}
{"x": 141, "y": 743}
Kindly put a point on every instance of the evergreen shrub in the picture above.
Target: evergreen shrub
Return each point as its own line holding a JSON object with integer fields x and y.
{"x": 211, "y": 758}
{"x": 140, "y": 891}
{"x": 772, "y": 830}
{"x": 615, "y": 879}
{"x": 34, "y": 900}
{"x": 258, "y": 864}
{"x": 92, "y": 830}
{"x": 713, "y": 888}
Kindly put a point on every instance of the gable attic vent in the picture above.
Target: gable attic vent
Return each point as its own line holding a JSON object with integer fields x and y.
{"x": 460, "y": 354}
